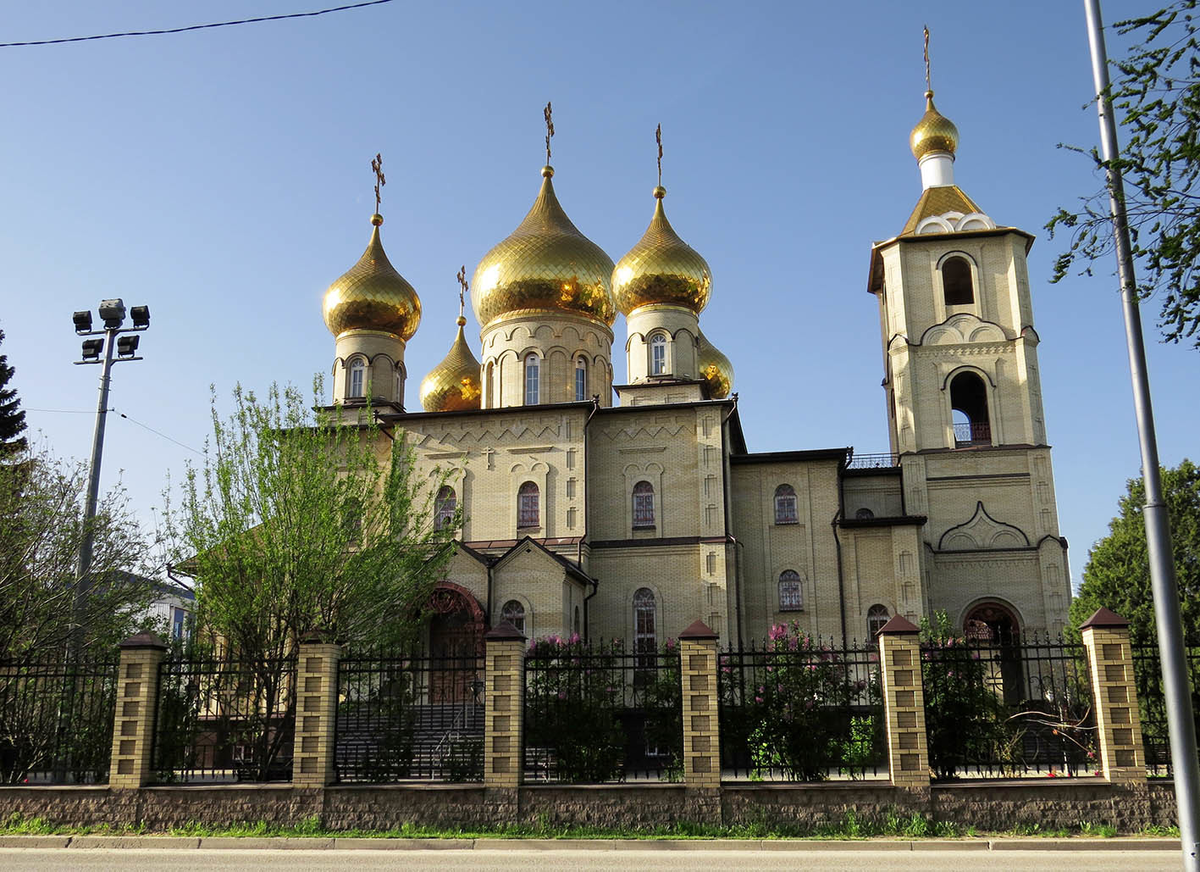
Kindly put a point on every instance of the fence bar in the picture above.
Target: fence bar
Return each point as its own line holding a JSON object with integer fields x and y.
{"x": 137, "y": 702}
{"x": 701, "y": 731}
{"x": 316, "y": 698}
{"x": 1114, "y": 694}
{"x": 504, "y": 701}
{"x": 904, "y": 703}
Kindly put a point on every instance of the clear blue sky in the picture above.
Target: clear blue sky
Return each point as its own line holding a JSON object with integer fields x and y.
{"x": 222, "y": 177}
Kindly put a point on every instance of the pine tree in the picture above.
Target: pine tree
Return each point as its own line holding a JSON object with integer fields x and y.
{"x": 12, "y": 418}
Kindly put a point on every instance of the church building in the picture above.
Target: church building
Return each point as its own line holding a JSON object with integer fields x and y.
{"x": 629, "y": 510}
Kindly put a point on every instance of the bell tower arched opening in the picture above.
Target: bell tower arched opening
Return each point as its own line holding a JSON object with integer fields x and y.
{"x": 969, "y": 406}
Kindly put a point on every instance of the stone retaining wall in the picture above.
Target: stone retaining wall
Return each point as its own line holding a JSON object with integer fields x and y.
{"x": 988, "y": 806}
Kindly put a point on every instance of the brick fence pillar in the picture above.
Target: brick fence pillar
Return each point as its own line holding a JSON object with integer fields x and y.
{"x": 137, "y": 703}
{"x": 504, "y": 707}
{"x": 904, "y": 703}
{"x": 316, "y": 711}
{"x": 1114, "y": 697}
{"x": 701, "y": 730}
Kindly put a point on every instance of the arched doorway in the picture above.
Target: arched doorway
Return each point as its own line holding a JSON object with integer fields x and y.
{"x": 995, "y": 626}
{"x": 455, "y": 644}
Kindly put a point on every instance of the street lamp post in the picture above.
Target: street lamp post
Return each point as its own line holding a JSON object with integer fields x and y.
{"x": 124, "y": 341}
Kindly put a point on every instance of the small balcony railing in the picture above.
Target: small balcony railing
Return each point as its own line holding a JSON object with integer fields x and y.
{"x": 971, "y": 433}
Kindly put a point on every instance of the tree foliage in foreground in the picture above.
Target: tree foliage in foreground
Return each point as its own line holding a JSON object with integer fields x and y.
{"x": 12, "y": 418}
{"x": 298, "y": 520}
{"x": 1117, "y": 574}
{"x": 41, "y": 527}
{"x": 1156, "y": 96}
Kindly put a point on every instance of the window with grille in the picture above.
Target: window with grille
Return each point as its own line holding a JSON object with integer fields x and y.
{"x": 445, "y": 505}
{"x": 532, "y": 380}
{"x": 580, "y": 380}
{"x": 877, "y": 616}
{"x": 785, "y": 505}
{"x": 643, "y": 505}
{"x": 514, "y": 613}
{"x": 527, "y": 505}
{"x": 791, "y": 591}
{"x": 658, "y": 354}
{"x": 645, "y": 632}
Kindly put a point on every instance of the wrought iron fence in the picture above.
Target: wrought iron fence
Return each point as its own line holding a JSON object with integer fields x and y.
{"x": 1015, "y": 707}
{"x": 221, "y": 720}
{"x": 798, "y": 709}
{"x": 972, "y": 433}
{"x": 56, "y": 720}
{"x": 597, "y": 713}
{"x": 408, "y": 716}
{"x": 1147, "y": 671}
{"x": 873, "y": 461}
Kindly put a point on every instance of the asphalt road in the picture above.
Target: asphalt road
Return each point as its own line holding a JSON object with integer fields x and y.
{"x": 21, "y": 859}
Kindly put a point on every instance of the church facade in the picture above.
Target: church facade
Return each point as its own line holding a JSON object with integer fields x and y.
{"x": 632, "y": 518}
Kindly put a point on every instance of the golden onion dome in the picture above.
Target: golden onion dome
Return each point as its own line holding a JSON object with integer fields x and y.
{"x": 715, "y": 369}
{"x": 453, "y": 385}
{"x": 546, "y": 264}
{"x": 934, "y": 132}
{"x": 661, "y": 268}
{"x": 371, "y": 295}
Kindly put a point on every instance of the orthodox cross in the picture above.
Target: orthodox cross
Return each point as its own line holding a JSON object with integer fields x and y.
{"x": 462, "y": 289}
{"x": 380, "y": 181}
{"x": 658, "y": 139}
{"x": 546, "y": 113}
{"x": 928, "y": 87}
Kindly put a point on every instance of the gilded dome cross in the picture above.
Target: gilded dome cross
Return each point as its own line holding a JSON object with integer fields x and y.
{"x": 380, "y": 181}
{"x": 463, "y": 287}
{"x": 658, "y": 139}
{"x": 928, "y": 86}
{"x": 546, "y": 113}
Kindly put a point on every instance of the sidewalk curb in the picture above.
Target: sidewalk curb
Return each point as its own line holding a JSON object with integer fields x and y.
{"x": 359, "y": 843}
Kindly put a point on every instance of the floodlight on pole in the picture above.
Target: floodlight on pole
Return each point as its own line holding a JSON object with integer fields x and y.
{"x": 108, "y": 340}
{"x": 1163, "y": 586}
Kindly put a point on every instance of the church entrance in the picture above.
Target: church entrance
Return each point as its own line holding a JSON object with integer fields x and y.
{"x": 995, "y": 626}
{"x": 455, "y": 646}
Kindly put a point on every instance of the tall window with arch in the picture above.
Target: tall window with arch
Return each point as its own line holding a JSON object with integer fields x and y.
{"x": 358, "y": 371}
{"x": 528, "y": 506}
{"x": 489, "y": 384}
{"x": 658, "y": 354}
{"x": 645, "y": 629}
{"x": 643, "y": 505}
{"x": 444, "y": 506}
{"x": 514, "y": 613}
{"x": 533, "y": 370}
{"x": 791, "y": 591}
{"x": 957, "y": 286}
{"x": 398, "y": 385}
{"x": 877, "y": 616}
{"x": 580, "y": 380}
{"x": 969, "y": 409}
{"x": 785, "y": 505}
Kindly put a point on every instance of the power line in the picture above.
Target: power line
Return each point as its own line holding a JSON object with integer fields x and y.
{"x": 157, "y": 432}
{"x": 197, "y": 26}
{"x": 64, "y": 411}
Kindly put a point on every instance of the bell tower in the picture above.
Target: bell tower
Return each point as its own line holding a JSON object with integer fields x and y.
{"x": 964, "y": 399}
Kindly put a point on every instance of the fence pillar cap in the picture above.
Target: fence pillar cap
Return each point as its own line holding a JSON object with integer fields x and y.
{"x": 317, "y": 636}
{"x": 698, "y": 630}
{"x": 1104, "y": 617}
{"x": 144, "y": 639}
{"x": 504, "y": 632}
{"x": 899, "y": 626}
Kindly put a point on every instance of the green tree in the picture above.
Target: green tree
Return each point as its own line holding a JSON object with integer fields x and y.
{"x": 1117, "y": 574}
{"x": 297, "y": 521}
{"x": 41, "y": 527}
{"x": 1156, "y": 94}
{"x": 12, "y": 418}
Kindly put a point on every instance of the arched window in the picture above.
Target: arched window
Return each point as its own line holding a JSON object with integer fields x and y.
{"x": 444, "y": 506}
{"x": 489, "y": 387}
{"x": 864, "y": 515}
{"x": 533, "y": 367}
{"x": 658, "y": 354}
{"x": 643, "y": 505}
{"x": 785, "y": 505}
{"x": 576, "y": 620}
{"x": 956, "y": 282}
{"x": 968, "y": 400}
{"x": 645, "y": 633}
{"x": 514, "y": 613}
{"x": 877, "y": 616}
{"x": 528, "y": 510}
{"x": 398, "y": 386}
{"x": 791, "y": 591}
{"x": 358, "y": 371}
{"x": 580, "y": 380}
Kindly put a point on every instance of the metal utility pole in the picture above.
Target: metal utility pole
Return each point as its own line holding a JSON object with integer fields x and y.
{"x": 1158, "y": 527}
{"x": 112, "y": 312}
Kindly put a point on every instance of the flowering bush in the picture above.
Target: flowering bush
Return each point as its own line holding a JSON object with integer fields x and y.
{"x": 802, "y": 708}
